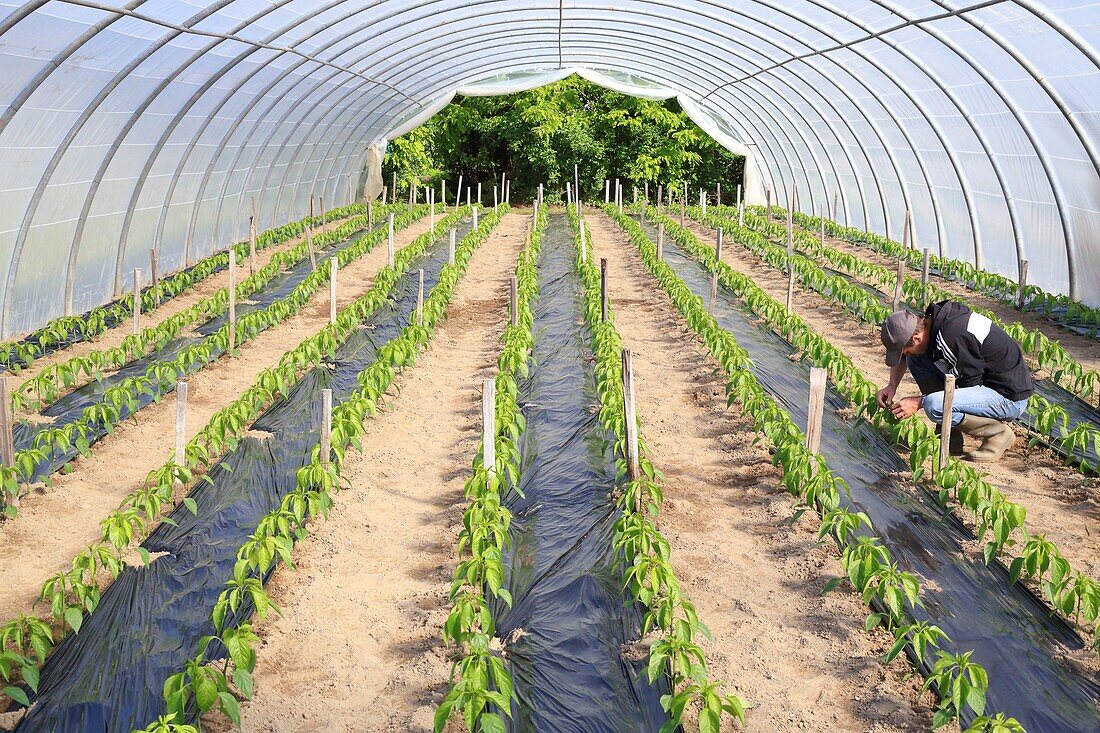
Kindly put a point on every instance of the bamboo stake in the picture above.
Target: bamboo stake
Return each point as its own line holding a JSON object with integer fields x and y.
{"x": 326, "y": 427}
{"x": 333, "y": 271}
{"x": 488, "y": 425}
{"x": 713, "y": 293}
{"x": 924, "y": 268}
{"x": 816, "y": 409}
{"x": 451, "y": 247}
{"x": 603, "y": 288}
{"x": 420, "y": 300}
{"x": 232, "y": 298}
{"x": 633, "y": 471}
{"x": 513, "y": 299}
{"x": 898, "y": 286}
{"x": 137, "y": 301}
{"x": 945, "y": 424}
{"x": 389, "y": 242}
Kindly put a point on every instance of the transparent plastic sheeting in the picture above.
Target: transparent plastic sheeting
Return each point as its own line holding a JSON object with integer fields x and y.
{"x": 156, "y": 124}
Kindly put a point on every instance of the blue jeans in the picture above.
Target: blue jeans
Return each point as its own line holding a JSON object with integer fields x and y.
{"x": 979, "y": 401}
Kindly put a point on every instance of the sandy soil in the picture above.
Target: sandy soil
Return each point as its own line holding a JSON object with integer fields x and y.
{"x": 115, "y": 336}
{"x": 1061, "y": 503}
{"x": 802, "y": 660}
{"x": 56, "y": 523}
{"x": 359, "y": 645}
{"x": 1083, "y": 349}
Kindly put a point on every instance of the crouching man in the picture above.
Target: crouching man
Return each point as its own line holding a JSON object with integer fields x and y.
{"x": 992, "y": 381}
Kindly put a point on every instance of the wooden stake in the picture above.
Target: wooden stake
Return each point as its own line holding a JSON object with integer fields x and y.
{"x": 137, "y": 301}
{"x": 1020, "y": 291}
{"x": 660, "y": 198}
{"x": 232, "y": 298}
{"x": 334, "y": 269}
{"x": 905, "y": 242}
{"x": 443, "y": 195}
{"x": 577, "y": 183}
{"x": 389, "y": 242}
{"x": 924, "y": 269}
{"x": 488, "y": 425}
{"x": 495, "y": 200}
{"x": 741, "y": 214}
{"x": 647, "y": 191}
{"x": 326, "y": 426}
{"x": 468, "y": 197}
{"x": 718, "y": 245}
{"x": 603, "y": 288}
{"x": 385, "y": 194}
{"x": 568, "y": 192}
{"x": 713, "y": 293}
{"x": 607, "y": 190}
{"x": 683, "y": 208}
{"x": 816, "y": 409}
{"x": 945, "y": 424}
{"x": 476, "y": 212}
{"x": 823, "y": 226}
{"x": 451, "y": 247}
{"x": 431, "y": 209}
{"x": 703, "y": 201}
{"x": 309, "y": 246}
{"x": 513, "y": 300}
{"x": 739, "y": 195}
{"x": 458, "y": 192}
{"x": 767, "y": 203}
{"x": 635, "y": 195}
{"x": 420, "y": 300}
{"x": 181, "y": 424}
{"x": 633, "y": 471}
{"x": 370, "y": 214}
{"x": 479, "y": 193}
{"x": 7, "y": 424}
{"x": 790, "y": 286}
{"x": 899, "y": 285}
{"x": 660, "y": 241}
{"x": 156, "y": 276}
{"x": 718, "y": 195}
{"x": 394, "y": 187}
{"x": 253, "y": 223}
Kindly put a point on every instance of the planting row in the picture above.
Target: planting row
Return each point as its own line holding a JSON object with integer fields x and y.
{"x": 967, "y": 595}
{"x": 73, "y": 593}
{"x": 1060, "y": 309}
{"x": 91, "y": 412}
{"x": 1030, "y": 556}
{"x": 174, "y": 594}
{"x": 676, "y": 655}
{"x": 67, "y": 330}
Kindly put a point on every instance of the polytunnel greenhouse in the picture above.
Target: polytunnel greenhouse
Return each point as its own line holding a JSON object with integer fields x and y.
{"x": 631, "y": 367}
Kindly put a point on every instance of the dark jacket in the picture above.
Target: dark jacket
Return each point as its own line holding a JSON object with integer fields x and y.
{"x": 977, "y": 351}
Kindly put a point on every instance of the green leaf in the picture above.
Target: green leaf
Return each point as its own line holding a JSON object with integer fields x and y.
{"x": 242, "y": 678}
{"x": 230, "y": 707}
{"x": 491, "y": 723}
{"x": 74, "y": 617}
{"x": 191, "y": 504}
{"x": 17, "y": 694}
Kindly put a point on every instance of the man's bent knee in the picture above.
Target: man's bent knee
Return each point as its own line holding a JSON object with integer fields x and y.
{"x": 933, "y": 406}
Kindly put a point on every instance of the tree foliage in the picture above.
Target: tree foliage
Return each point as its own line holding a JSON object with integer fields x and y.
{"x": 538, "y": 136}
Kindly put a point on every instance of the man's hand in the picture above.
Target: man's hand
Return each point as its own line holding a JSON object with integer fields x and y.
{"x": 905, "y": 407}
{"x": 885, "y": 396}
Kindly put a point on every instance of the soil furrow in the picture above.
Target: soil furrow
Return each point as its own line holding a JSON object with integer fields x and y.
{"x": 803, "y": 660}
{"x": 358, "y": 647}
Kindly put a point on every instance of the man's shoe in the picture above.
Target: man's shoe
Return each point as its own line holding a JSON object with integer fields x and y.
{"x": 955, "y": 447}
{"x": 997, "y": 437}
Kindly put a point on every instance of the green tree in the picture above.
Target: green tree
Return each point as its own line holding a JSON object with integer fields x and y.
{"x": 538, "y": 136}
